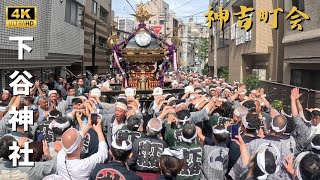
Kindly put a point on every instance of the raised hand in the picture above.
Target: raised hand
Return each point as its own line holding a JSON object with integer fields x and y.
{"x": 295, "y": 94}
{"x": 241, "y": 88}
{"x": 288, "y": 165}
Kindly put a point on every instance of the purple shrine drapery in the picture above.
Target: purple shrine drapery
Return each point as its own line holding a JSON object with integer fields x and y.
{"x": 165, "y": 63}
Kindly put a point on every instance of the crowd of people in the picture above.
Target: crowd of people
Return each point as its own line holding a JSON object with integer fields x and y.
{"x": 212, "y": 130}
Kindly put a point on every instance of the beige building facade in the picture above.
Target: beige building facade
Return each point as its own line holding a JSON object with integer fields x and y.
{"x": 281, "y": 55}
{"x": 241, "y": 51}
{"x": 167, "y": 20}
{"x": 98, "y": 11}
{"x": 302, "y": 48}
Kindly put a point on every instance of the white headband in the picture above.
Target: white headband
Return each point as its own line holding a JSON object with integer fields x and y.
{"x": 75, "y": 145}
{"x": 277, "y": 129}
{"x": 285, "y": 114}
{"x": 179, "y": 104}
{"x": 3, "y": 108}
{"x": 173, "y": 153}
{"x": 52, "y": 92}
{"x": 297, "y": 163}
{"x": 154, "y": 129}
{"x": 219, "y": 131}
{"x": 5, "y": 91}
{"x": 124, "y": 146}
{"x": 55, "y": 124}
{"x": 189, "y": 140}
{"x": 245, "y": 122}
{"x": 304, "y": 119}
{"x": 222, "y": 99}
{"x": 186, "y": 118}
{"x": 83, "y": 97}
{"x": 227, "y": 90}
{"x": 236, "y": 113}
{"x": 121, "y": 106}
{"x": 315, "y": 147}
{"x": 171, "y": 99}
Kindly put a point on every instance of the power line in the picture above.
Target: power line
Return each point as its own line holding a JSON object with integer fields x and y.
{"x": 149, "y": 6}
{"x": 131, "y": 6}
{"x": 157, "y": 6}
{"x": 195, "y": 14}
{"x": 183, "y": 5}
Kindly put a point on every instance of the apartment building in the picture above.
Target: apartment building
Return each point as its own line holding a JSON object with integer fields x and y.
{"x": 241, "y": 51}
{"x": 169, "y": 22}
{"x": 125, "y": 24}
{"x": 97, "y": 12}
{"x": 58, "y": 40}
{"x": 302, "y": 48}
{"x": 162, "y": 17}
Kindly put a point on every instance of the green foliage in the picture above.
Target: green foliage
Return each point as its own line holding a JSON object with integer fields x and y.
{"x": 224, "y": 72}
{"x": 252, "y": 82}
{"x": 203, "y": 49}
{"x": 278, "y": 105}
{"x": 205, "y": 70}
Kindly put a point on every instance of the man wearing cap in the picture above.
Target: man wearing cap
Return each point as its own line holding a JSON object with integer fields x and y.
{"x": 4, "y": 101}
{"x": 69, "y": 164}
{"x": 146, "y": 152}
{"x": 55, "y": 99}
{"x": 81, "y": 87}
{"x": 157, "y": 94}
{"x": 116, "y": 169}
{"x": 62, "y": 86}
{"x": 102, "y": 107}
{"x": 113, "y": 122}
{"x": 239, "y": 94}
{"x": 226, "y": 93}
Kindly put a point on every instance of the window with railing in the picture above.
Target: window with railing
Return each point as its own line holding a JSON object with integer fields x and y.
{"x": 241, "y": 35}
{"x": 223, "y": 37}
{"x": 104, "y": 14}
{"x": 102, "y": 42}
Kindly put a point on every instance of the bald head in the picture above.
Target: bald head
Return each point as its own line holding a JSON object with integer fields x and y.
{"x": 279, "y": 121}
{"x": 154, "y": 123}
{"x": 154, "y": 127}
{"x": 69, "y": 138}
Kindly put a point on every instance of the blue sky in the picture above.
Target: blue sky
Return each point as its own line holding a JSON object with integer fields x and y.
{"x": 123, "y": 9}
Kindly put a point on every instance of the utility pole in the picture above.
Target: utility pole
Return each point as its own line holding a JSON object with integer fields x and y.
{"x": 165, "y": 22}
{"x": 94, "y": 47}
{"x": 215, "y": 63}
